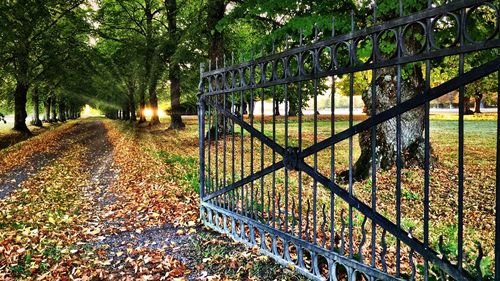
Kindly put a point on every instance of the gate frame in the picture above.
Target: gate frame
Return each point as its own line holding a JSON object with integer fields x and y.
{"x": 295, "y": 160}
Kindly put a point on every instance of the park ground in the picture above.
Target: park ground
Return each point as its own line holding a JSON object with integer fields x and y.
{"x": 101, "y": 199}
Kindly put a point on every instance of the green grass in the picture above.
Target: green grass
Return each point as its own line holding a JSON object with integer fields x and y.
{"x": 190, "y": 176}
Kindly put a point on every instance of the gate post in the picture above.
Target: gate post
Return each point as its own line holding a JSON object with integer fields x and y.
{"x": 201, "y": 132}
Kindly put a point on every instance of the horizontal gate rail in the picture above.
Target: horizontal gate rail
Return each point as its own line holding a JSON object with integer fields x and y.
{"x": 286, "y": 262}
{"x": 475, "y": 47}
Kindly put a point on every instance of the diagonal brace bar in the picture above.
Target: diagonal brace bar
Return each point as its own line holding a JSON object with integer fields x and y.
{"x": 469, "y": 77}
{"x": 260, "y": 136}
{"x": 386, "y": 224}
{"x": 252, "y": 177}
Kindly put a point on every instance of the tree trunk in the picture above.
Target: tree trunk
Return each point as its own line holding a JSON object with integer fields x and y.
{"x": 131, "y": 99}
{"x": 276, "y": 108}
{"x": 174, "y": 68}
{"x": 251, "y": 108}
{"x": 153, "y": 99}
{"x": 62, "y": 112}
{"x": 54, "y": 111}
{"x": 216, "y": 10}
{"x": 151, "y": 64}
{"x": 46, "y": 106}
{"x": 20, "y": 107}
{"x": 142, "y": 106}
{"x": 131, "y": 106}
{"x": 175, "y": 98}
{"x": 36, "y": 108}
{"x": 412, "y": 126}
{"x": 245, "y": 106}
{"x": 126, "y": 112}
{"x": 292, "y": 109}
{"x": 467, "y": 110}
{"x": 477, "y": 103}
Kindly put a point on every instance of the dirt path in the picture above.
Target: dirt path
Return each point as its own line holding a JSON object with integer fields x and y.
{"x": 116, "y": 224}
{"x": 90, "y": 134}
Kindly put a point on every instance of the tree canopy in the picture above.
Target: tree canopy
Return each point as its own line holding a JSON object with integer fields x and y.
{"x": 125, "y": 56}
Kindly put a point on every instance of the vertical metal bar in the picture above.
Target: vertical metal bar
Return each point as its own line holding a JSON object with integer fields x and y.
{"x": 251, "y": 106}
{"x": 274, "y": 160}
{"x": 315, "y": 125}
{"x": 242, "y": 147}
{"x": 351, "y": 100}
{"x": 201, "y": 134}
{"x": 286, "y": 145}
{"x": 274, "y": 140}
{"x": 233, "y": 111}
{"x": 332, "y": 151}
{"x": 216, "y": 148}
{"x": 373, "y": 142}
{"x": 398, "y": 150}
{"x": 224, "y": 170}
{"x": 209, "y": 174}
{"x": 262, "y": 143}
{"x": 217, "y": 186}
{"x": 497, "y": 192}
{"x": 427, "y": 149}
{"x": 460, "y": 232}
{"x": 210, "y": 88}
{"x": 299, "y": 94}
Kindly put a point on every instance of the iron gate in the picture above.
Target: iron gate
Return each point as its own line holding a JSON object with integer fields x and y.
{"x": 274, "y": 182}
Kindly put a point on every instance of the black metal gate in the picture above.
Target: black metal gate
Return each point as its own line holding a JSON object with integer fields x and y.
{"x": 274, "y": 182}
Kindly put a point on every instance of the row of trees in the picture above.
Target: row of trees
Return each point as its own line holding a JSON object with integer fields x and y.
{"x": 40, "y": 49}
{"x": 125, "y": 56}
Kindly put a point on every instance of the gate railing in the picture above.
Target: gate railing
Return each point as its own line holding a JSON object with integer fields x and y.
{"x": 274, "y": 181}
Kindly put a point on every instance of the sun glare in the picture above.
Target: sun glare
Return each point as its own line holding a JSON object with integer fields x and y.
{"x": 88, "y": 111}
{"x": 148, "y": 112}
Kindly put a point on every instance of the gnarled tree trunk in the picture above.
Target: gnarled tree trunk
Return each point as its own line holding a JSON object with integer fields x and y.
{"x": 131, "y": 107}
{"x": 412, "y": 125}
{"x": 175, "y": 98}
{"x": 215, "y": 10}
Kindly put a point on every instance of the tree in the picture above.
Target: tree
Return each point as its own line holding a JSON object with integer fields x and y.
{"x": 174, "y": 67}
{"x": 25, "y": 26}
{"x": 386, "y": 92}
{"x": 139, "y": 25}
{"x": 484, "y": 87}
{"x": 283, "y": 22}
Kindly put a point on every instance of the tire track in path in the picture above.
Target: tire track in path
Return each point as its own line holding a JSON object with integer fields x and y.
{"x": 90, "y": 133}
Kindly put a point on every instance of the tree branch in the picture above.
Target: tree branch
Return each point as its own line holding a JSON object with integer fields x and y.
{"x": 56, "y": 20}
{"x": 132, "y": 18}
